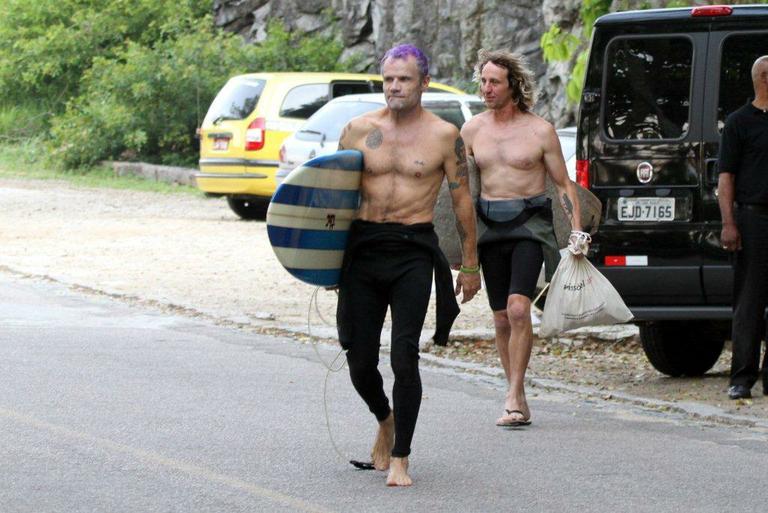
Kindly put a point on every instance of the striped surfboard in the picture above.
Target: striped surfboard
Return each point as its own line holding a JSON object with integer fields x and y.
{"x": 309, "y": 216}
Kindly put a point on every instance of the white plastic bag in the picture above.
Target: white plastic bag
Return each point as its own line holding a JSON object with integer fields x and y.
{"x": 579, "y": 295}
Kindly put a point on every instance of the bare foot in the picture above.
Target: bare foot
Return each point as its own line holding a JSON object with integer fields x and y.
{"x": 385, "y": 441}
{"x": 398, "y": 473}
{"x": 516, "y": 411}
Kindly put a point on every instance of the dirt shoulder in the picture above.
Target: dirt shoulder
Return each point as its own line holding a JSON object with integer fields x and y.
{"x": 192, "y": 255}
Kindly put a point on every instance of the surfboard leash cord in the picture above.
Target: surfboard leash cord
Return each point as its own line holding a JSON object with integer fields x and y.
{"x": 330, "y": 368}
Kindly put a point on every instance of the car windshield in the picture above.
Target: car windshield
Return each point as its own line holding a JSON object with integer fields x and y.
{"x": 236, "y": 100}
{"x": 328, "y": 122}
{"x": 568, "y": 145}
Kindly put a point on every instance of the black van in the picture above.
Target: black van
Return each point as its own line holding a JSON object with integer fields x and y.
{"x": 658, "y": 87}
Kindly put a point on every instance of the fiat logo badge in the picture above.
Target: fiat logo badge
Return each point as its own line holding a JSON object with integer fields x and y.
{"x": 644, "y": 172}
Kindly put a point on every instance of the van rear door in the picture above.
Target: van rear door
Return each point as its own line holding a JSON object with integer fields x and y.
{"x": 646, "y": 160}
{"x": 732, "y": 51}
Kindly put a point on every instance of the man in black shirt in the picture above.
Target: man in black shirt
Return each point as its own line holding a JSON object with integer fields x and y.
{"x": 743, "y": 198}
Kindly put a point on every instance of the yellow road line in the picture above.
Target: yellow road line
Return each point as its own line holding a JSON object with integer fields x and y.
{"x": 151, "y": 457}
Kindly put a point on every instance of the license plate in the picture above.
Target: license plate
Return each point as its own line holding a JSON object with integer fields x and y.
{"x": 220, "y": 144}
{"x": 646, "y": 209}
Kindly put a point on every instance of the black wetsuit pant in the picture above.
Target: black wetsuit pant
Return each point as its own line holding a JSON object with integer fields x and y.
{"x": 397, "y": 274}
{"x": 750, "y": 297}
{"x": 510, "y": 267}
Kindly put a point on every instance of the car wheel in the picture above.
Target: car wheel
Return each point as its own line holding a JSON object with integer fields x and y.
{"x": 682, "y": 348}
{"x": 248, "y": 208}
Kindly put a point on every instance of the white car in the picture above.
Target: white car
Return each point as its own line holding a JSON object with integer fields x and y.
{"x": 320, "y": 133}
{"x": 567, "y": 138}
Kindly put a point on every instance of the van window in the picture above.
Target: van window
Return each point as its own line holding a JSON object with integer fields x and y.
{"x": 739, "y": 52}
{"x": 304, "y": 100}
{"x": 236, "y": 100}
{"x": 647, "y": 88}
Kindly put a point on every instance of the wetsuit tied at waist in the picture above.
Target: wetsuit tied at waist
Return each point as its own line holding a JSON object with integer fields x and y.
{"x": 520, "y": 219}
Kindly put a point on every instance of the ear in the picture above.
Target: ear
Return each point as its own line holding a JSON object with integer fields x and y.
{"x": 425, "y": 83}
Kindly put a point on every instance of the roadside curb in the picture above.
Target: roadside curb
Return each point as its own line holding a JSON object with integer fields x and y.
{"x": 698, "y": 411}
{"x": 491, "y": 375}
{"x": 166, "y": 174}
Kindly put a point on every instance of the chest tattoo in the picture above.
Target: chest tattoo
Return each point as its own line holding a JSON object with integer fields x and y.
{"x": 374, "y": 139}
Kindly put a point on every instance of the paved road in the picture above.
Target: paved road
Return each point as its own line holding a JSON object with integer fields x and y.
{"x": 108, "y": 408}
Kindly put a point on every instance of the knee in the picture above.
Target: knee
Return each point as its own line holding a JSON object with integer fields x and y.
{"x": 501, "y": 320}
{"x": 405, "y": 364}
{"x": 518, "y": 309}
{"x": 361, "y": 365}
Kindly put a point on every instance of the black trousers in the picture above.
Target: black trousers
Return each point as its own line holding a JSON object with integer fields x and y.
{"x": 750, "y": 297}
{"x": 510, "y": 267}
{"x": 399, "y": 275}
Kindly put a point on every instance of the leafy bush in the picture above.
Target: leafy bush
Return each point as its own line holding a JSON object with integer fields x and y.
{"x": 47, "y": 45}
{"x": 147, "y": 101}
{"x": 22, "y": 121}
{"x": 562, "y": 46}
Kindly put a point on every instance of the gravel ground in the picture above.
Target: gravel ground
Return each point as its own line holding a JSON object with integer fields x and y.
{"x": 192, "y": 255}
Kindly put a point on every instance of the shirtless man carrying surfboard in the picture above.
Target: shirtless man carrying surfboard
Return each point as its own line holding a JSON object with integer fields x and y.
{"x": 514, "y": 151}
{"x": 392, "y": 249}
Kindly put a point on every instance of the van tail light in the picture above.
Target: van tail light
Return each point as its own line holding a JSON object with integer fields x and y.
{"x": 712, "y": 10}
{"x": 626, "y": 260}
{"x": 582, "y": 173}
{"x": 254, "y": 135}
{"x": 282, "y": 153}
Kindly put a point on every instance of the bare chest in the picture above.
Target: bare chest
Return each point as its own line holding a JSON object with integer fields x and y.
{"x": 521, "y": 153}
{"x": 400, "y": 155}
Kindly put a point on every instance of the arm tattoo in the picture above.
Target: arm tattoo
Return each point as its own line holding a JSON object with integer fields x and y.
{"x": 565, "y": 201}
{"x": 462, "y": 232}
{"x": 374, "y": 139}
{"x": 461, "y": 160}
{"x": 461, "y": 169}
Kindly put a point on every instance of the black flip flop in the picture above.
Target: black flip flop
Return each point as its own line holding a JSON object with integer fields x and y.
{"x": 515, "y": 423}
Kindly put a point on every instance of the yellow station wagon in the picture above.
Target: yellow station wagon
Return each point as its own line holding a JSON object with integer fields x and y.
{"x": 245, "y": 126}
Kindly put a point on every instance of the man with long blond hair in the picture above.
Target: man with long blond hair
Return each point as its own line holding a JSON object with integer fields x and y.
{"x": 514, "y": 150}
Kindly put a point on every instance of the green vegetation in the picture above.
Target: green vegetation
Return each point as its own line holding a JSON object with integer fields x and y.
{"x": 128, "y": 79}
{"x": 24, "y": 159}
{"x": 562, "y": 46}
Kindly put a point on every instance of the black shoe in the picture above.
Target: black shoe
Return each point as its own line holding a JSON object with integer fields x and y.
{"x": 739, "y": 392}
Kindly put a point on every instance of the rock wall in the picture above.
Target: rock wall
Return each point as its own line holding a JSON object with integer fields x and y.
{"x": 450, "y": 31}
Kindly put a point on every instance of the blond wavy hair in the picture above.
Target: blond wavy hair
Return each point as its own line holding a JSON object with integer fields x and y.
{"x": 521, "y": 79}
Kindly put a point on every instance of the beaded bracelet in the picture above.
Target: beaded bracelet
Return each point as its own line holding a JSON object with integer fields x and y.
{"x": 470, "y": 270}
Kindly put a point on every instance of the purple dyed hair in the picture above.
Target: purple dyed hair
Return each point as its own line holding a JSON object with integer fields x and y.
{"x": 403, "y": 51}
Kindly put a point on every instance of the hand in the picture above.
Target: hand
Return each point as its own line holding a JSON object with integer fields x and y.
{"x": 730, "y": 238}
{"x": 469, "y": 284}
{"x": 578, "y": 243}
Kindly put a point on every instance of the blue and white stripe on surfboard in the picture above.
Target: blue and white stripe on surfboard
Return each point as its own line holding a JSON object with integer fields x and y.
{"x": 310, "y": 213}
